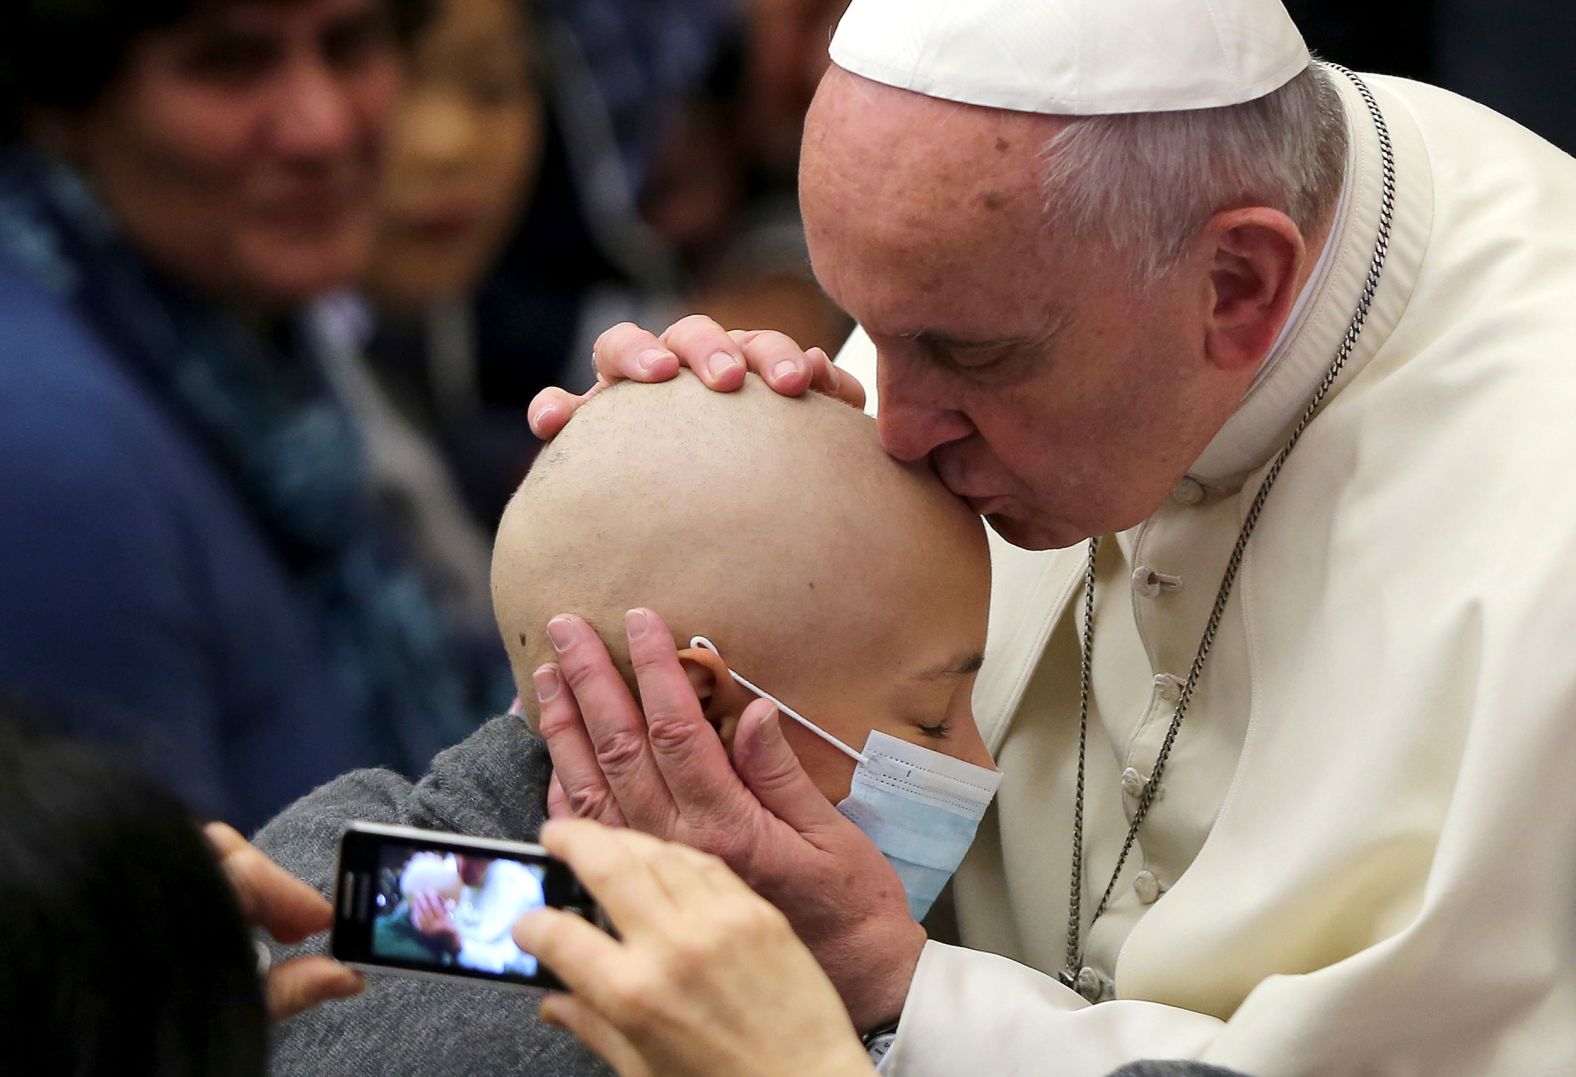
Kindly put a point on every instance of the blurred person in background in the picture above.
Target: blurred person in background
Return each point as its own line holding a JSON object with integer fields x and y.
{"x": 465, "y": 148}
{"x": 508, "y": 238}
{"x": 722, "y": 188}
{"x": 126, "y": 930}
{"x": 556, "y": 167}
{"x": 190, "y": 559}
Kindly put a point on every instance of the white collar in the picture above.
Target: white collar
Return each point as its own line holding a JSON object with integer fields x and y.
{"x": 1321, "y": 270}
{"x": 1308, "y": 342}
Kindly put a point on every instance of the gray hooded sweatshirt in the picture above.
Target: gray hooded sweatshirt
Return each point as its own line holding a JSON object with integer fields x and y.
{"x": 494, "y": 785}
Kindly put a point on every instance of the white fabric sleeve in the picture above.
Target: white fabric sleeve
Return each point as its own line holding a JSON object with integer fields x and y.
{"x": 970, "y": 1012}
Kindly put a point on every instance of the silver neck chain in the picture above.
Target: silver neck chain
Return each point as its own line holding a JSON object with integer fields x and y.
{"x": 1070, "y": 974}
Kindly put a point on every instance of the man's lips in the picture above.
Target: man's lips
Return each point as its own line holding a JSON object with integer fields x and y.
{"x": 955, "y": 477}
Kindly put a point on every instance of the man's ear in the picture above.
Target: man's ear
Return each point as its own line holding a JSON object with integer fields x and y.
{"x": 722, "y": 700}
{"x": 1256, "y": 260}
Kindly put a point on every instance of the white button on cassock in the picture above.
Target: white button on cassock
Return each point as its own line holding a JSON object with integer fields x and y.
{"x": 1147, "y": 887}
{"x": 1187, "y": 492}
{"x": 1093, "y": 984}
{"x": 1149, "y": 583}
{"x": 1132, "y": 782}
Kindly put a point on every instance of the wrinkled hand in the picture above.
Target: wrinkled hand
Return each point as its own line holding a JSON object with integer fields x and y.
{"x": 664, "y": 771}
{"x": 289, "y": 910}
{"x": 706, "y": 978}
{"x": 430, "y": 916}
{"x": 719, "y": 357}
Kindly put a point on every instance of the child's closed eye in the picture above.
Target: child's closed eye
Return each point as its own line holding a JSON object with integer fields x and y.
{"x": 940, "y": 731}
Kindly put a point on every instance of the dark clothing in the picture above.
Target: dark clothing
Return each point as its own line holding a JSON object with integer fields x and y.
{"x": 137, "y": 599}
{"x": 190, "y": 561}
{"x": 493, "y": 785}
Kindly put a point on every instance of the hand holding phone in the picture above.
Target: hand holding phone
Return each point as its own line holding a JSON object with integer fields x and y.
{"x": 289, "y": 910}
{"x": 707, "y": 979}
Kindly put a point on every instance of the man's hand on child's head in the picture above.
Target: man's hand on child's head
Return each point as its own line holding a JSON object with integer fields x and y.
{"x": 659, "y": 767}
{"x": 719, "y": 357}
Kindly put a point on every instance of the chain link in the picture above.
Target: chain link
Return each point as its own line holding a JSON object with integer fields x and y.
{"x": 1228, "y": 579}
{"x": 1075, "y": 897}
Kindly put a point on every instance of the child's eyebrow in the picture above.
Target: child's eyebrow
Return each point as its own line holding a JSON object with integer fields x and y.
{"x": 961, "y": 666}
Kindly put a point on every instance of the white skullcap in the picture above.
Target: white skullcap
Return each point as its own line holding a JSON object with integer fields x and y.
{"x": 1074, "y": 57}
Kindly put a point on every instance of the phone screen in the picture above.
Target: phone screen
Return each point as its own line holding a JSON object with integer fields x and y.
{"x": 441, "y": 904}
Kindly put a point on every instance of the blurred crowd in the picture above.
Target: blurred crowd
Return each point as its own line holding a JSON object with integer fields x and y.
{"x": 277, "y": 281}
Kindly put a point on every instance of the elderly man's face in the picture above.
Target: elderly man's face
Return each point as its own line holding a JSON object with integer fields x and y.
{"x": 1058, "y": 398}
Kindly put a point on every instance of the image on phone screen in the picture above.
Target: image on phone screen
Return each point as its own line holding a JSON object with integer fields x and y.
{"x": 454, "y": 909}
{"x": 429, "y": 903}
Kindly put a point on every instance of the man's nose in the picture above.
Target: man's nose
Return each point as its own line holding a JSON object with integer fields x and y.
{"x": 315, "y": 115}
{"x": 913, "y": 419}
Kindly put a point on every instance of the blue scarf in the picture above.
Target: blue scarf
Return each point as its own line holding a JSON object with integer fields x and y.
{"x": 267, "y": 418}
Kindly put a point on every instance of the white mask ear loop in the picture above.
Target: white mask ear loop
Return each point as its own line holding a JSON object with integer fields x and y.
{"x": 857, "y": 756}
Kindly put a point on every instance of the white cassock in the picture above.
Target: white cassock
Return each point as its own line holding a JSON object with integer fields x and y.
{"x": 1363, "y": 857}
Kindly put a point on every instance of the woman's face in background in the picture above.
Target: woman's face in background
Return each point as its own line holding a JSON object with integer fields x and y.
{"x": 463, "y": 153}
{"x": 239, "y": 148}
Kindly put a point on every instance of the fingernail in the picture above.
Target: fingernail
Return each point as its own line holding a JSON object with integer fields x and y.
{"x": 648, "y": 359}
{"x": 786, "y": 368}
{"x": 636, "y": 623}
{"x": 720, "y": 363}
{"x": 561, "y": 632}
{"x": 541, "y": 415}
{"x": 771, "y": 726}
{"x": 547, "y": 683}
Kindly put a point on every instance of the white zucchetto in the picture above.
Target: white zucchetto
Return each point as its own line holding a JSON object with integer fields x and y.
{"x": 1074, "y": 57}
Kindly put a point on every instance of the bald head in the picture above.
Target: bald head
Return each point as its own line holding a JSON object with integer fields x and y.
{"x": 776, "y": 527}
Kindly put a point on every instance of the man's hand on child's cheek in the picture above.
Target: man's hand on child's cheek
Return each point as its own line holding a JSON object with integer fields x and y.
{"x": 557, "y": 799}
{"x": 662, "y": 769}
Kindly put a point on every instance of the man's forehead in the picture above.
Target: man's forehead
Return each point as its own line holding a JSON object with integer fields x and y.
{"x": 917, "y": 176}
{"x": 926, "y": 218}
{"x": 849, "y": 107}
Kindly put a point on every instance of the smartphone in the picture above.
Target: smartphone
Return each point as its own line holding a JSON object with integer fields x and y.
{"x": 425, "y": 903}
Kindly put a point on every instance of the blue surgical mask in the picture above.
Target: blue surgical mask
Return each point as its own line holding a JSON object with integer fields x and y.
{"x": 920, "y": 807}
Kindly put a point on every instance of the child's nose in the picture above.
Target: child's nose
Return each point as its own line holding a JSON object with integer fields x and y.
{"x": 970, "y": 747}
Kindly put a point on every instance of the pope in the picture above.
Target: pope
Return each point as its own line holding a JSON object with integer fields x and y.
{"x": 1261, "y": 371}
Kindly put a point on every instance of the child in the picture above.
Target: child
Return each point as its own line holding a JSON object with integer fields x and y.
{"x": 852, "y": 588}
{"x": 849, "y": 586}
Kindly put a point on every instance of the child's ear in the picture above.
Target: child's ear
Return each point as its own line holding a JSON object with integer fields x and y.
{"x": 722, "y": 700}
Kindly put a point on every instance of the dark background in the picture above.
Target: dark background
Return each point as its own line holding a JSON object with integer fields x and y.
{"x": 1517, "y": 56}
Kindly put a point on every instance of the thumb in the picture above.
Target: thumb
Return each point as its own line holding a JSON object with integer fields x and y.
{"x": 767, "y": 764}
{"x": 303, "y": 982}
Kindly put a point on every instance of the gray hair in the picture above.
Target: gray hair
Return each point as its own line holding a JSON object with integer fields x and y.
{"x": 1146, "y": 183}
